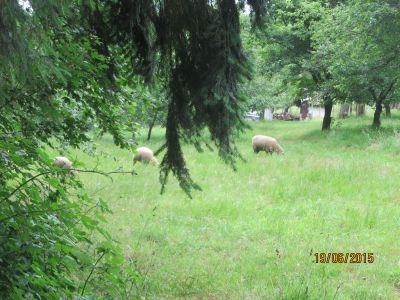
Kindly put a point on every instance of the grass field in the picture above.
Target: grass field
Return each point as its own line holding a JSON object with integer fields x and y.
{"x": 250, "y": 234}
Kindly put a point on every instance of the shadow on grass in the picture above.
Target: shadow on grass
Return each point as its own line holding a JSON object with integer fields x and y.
{"x": 351, "y": 134}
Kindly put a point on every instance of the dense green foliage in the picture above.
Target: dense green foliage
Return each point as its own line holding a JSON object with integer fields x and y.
{"x": 54, "y": 88}
{"x": 287, "y": 51}
{"x": 326, "y": 51}
{"x": 266, "y": 89}
{"x": 359, "y": 43}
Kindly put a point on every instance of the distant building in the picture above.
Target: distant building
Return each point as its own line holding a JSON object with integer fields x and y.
{"x": 316, "y": 111}
{"x": 268, "y": 116}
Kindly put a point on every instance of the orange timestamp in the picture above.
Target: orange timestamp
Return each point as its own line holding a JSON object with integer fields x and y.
{"x": 344, "y": 258}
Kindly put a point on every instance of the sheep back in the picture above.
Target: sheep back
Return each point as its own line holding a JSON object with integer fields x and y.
{"x": 145, "y": 154}
{"x": 267, "y": 144}
{"x": 62, "y": 162}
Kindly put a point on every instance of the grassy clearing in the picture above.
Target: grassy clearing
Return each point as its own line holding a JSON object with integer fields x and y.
{"x": 249, "y": 234}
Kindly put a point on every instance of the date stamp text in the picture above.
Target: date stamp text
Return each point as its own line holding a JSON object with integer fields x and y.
{"x": 344, "y": 258}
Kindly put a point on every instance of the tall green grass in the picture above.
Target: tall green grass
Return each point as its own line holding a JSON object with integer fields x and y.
{"x": 251, "y": 234}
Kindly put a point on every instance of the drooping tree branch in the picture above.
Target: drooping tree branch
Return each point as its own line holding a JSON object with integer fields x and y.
{"x": 201, "y": 59}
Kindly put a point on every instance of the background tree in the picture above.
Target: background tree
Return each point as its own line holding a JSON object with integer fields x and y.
{"x": 290, "y": 51}
{"x": 157, "y": 107}
{"x": 266, "y": 89}
{"x": 148, "y": 108}
{"x": 359, "y": 42}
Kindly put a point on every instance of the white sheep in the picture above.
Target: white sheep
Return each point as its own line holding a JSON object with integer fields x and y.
{"x": 145, "y": 154}
{"x": 62, "y": 162}
{"x": 65, "y": 163}
{"x": 267, "y": 144}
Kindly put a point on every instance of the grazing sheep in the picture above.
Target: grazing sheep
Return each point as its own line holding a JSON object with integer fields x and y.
{"x": 65, "y": 163}
{"x": 267, "y": 144}
{"x": 145, "y": 154}
{"x": 62, "y": 162}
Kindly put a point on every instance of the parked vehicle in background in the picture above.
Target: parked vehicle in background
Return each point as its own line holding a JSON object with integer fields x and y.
{"x": 253, "y": 116}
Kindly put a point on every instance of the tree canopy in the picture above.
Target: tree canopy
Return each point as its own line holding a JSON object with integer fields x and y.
{"x": 331, "y": 51}
{"x": 359, "y": 43}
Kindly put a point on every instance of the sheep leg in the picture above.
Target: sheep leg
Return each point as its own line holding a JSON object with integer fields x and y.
{"x": 267, "y": 151}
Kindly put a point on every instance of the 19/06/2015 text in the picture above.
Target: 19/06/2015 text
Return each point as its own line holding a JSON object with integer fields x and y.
{"x": 337, "y": 257}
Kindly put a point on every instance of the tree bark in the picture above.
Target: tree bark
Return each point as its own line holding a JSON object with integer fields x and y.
{"x": 360, "y": 109}
{"x": 344, "y": 111}
{"x": 304, "y": 110}
{"x": 387, "y": 110}
{"x": 379, "y": 100}
{"x": 149, "y": 132}
{"x": 151, "y": 125}
{"x": 377, "y": 115}
{"x": 326, "y": 122}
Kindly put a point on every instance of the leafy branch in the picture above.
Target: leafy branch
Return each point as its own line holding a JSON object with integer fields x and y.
{"x": 91, "y": 272}
{"x": 107, "y": 174}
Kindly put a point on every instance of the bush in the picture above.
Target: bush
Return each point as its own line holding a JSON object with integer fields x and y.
{"x": 48, "y": 232}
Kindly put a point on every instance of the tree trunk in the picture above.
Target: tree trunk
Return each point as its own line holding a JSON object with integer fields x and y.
{"x": 286, "y": 109}
{"x": 326, "y": 122}
{"x": 149, "y": 132}
{"x": 151, "y": 125}
{"x": 379, "y": 100}
{"x": 377, "y": 115}
{"x": 387, "y": 110}
{"x": 344, "y": 111}
{"x": 304, "y": 110}
{"x": 360, "y": 109}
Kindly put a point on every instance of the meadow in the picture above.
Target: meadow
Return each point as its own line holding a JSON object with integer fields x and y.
{"x": 252, "y": 234}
